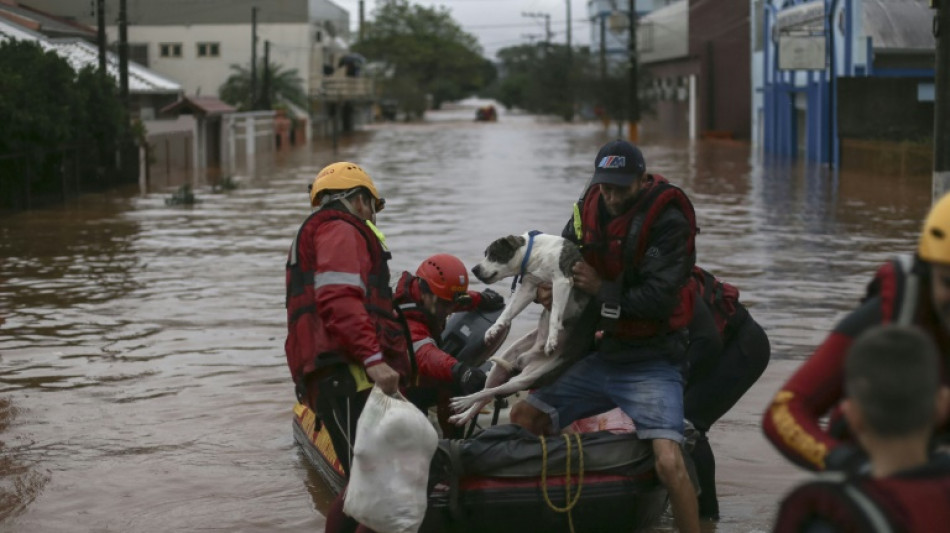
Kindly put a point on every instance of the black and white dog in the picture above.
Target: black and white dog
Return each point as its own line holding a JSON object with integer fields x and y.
{"x": 532, "y": 258}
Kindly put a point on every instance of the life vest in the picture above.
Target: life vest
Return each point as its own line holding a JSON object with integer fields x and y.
{"x": 723, "y": 299}
{"x": 311, "y": 346}
{"x": 617, "y": 250}
{"x": 897, "y": 283}
{"x": 908, "y": 502}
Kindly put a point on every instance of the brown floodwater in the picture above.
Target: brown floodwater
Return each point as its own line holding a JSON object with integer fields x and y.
{"x": 142, "y": 377}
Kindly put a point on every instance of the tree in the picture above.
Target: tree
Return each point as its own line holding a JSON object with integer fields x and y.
{"x": 284, "y": 84}
{"x": 537, "y": 78}
{"x": 428, "y": 53}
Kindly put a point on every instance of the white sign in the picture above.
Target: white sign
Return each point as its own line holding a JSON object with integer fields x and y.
{"x": 797, "y": 52}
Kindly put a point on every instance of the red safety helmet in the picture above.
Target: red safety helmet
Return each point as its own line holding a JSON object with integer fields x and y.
{"x": 445, "y": 276}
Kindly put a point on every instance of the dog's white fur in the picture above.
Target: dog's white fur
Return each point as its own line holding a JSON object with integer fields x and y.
{"x": 538, "y": 352}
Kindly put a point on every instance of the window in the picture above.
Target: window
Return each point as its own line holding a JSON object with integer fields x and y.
{"x": 169, "y": 49}
{"x": 209, "y": 49}
{"x": 138, "y": 53}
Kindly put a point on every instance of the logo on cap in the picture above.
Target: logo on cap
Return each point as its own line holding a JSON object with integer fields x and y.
{"x": 613, "y": 161}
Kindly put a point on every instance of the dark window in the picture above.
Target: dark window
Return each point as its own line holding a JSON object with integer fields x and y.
{"x": 209, "y": 49}
{"x": 139, "y": 54}
{"x": 169, "y": 49}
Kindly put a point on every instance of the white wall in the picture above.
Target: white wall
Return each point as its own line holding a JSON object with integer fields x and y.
{"x": 664, "y": 33}
{"x": 290, "y": 48}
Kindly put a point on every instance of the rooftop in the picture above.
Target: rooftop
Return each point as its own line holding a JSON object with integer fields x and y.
{"x": 79, "y": 54}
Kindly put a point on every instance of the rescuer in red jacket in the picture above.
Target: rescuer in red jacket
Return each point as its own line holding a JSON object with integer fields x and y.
{"x": 342, "y": 329}
{"x": 438, "y": 289}
{"x": 908, "y": 290}
{"x": 894, "y": 396}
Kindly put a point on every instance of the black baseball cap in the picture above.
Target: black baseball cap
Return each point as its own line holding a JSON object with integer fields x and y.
{"x": 618, "y": 163}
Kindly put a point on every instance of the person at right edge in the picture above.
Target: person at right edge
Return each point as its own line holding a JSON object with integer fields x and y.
{"x": 645, "y": 296}
{"x": 894, "y": 395}
{"x": 909, "y": 290}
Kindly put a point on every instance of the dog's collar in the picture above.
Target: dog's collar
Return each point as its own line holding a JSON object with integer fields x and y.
{"x": 524, "y": 261}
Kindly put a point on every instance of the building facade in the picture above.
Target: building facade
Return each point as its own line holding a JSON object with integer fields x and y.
{"x": 197, "y": 43}
{"x": 820, "y": 66}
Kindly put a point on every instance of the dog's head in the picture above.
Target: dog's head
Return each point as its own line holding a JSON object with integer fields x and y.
{"x": 502, "y": 259}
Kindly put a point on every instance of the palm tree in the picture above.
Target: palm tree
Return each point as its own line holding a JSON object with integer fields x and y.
{"x": 281, "y": 84}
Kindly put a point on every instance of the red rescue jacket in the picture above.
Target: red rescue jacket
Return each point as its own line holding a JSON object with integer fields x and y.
{"x": 914, "y": 501}
{"x": 617, "y": 249}
{"x": 434, "y": 365}
{"x": 339, "y": 301}
{"x": 899, "y": 293}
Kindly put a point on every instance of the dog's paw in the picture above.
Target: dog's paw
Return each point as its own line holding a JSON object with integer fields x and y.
{"x": 550, "y": 347}
{"x": 494, "y": 332}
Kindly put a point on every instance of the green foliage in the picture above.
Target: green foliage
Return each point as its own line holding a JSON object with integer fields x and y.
{"x": 428, "y": 53}
{"x": 285, "y": 84}
{"x": 45, "y": 104}
{"x": 542, "y": 78}
{"x": 538, "y": 78}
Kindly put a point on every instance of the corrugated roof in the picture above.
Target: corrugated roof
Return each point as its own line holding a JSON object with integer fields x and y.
{"x": 45, "y": 23}
{"x": 204, "y": 105}
{"x": 899, "y": 25}
{"x": 80, "y": 54}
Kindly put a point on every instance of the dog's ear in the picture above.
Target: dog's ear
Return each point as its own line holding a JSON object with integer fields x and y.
{"x": 515, "y": 241}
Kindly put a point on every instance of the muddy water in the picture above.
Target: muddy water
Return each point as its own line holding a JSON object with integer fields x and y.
{"x": 142, "y": 379}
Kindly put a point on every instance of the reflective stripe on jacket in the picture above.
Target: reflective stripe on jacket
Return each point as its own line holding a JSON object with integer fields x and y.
{"x": 338, "y": 297}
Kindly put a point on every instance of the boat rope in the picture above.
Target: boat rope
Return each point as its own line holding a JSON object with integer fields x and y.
{"x": 569, "y": 503}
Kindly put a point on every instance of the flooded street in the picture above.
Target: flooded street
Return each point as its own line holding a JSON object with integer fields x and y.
{"x": 143, "y": 385}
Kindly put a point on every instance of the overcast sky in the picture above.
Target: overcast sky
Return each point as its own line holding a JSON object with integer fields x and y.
{"x": 499, "y": 23}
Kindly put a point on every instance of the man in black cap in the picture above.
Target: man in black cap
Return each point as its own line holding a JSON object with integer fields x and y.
{"x": 636, "y": 232}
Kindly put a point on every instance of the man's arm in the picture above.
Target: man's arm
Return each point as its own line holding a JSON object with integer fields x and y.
{"x": 340, "y": 293}
{"x": 791, "y": 422}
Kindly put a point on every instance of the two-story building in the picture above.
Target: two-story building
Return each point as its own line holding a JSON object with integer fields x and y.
{"x": 695, "y": 55}
{"x": 834, "y": 75}
{"x": 198, "y": 42}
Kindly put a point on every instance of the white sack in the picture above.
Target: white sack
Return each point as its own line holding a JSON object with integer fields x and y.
{"x": 394, "y": 445}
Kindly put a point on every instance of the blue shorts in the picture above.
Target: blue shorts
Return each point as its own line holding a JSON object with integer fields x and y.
{"x": 650, "y": 392}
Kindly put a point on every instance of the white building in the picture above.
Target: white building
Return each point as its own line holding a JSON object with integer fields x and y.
{"x": 197, "y": 42}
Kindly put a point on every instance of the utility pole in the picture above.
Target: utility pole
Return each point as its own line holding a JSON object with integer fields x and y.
{"x": 101, "y": 34}
{"x": 253, "y": 56}
{"x": 941, "y": 179}
{"x": 124, "y": 54}
{"x": 603, "y": 48}
{"x": 265, "y": 102}
{"x": 633, "y": 106}
{"x": 547, "y": 25}
{"x": 570, "y": 65}
{"x": 362, "y": 19}
{"x": 570, "y": 53}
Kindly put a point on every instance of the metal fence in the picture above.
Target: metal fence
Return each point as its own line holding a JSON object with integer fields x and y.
{"x": 41, "y": 177}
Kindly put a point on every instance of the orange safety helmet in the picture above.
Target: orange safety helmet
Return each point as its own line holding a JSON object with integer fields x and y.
{"x": 343, "y": 176}
{"x": 445, "y": 276}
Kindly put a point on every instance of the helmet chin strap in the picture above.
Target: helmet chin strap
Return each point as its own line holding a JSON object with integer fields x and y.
{"x": 342, "y": 198}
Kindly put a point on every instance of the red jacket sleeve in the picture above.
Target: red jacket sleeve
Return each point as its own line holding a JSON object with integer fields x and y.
{"x": 432, "y": 362}
{"x": 340, "y": 290}
{"x": 791, "y": 422}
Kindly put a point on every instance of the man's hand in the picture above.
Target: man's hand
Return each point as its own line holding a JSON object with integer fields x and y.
{"x": 586, "y": 278}
{"x": 385, "y": 377}
{"x": 544, "y": 295}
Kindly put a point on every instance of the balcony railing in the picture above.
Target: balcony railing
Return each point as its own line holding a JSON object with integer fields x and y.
{"x": 334, "y": 88}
